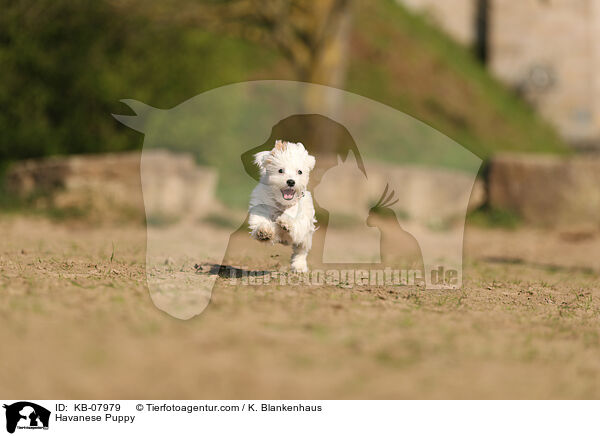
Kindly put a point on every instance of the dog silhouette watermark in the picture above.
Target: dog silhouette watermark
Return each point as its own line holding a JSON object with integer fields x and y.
{"x": 389, "y": 191}
{"x": 24, "y": 415}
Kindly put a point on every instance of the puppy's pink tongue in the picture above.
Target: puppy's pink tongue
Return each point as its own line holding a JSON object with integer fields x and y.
{"x": 288, "y": 194}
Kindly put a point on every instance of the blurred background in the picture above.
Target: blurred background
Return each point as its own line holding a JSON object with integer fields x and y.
{"x": 481, "y": 72}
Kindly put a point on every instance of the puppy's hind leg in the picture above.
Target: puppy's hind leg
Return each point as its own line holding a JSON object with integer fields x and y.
{"x": 300, "y": 252}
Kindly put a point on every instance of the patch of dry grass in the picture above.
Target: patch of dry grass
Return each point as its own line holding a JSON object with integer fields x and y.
{"x": 78, "y": 313}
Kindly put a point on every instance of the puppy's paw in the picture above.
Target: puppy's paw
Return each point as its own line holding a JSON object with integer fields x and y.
{"x": 285, "y": 222}
{"x": 263, "y": 233}
{"x": 299, "y": 266}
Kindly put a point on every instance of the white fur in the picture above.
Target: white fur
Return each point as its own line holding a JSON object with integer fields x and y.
{"x": 273, "y": 218}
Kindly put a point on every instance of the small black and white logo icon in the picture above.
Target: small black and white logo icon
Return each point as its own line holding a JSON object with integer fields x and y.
{"x": 26, "y": 415}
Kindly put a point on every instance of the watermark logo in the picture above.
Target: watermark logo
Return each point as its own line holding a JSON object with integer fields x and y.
{"x": 346, "y": 278}
{"x": 24, "y": 415}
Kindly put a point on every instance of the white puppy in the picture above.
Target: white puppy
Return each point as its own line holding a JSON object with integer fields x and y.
{"x": 281, "y": 209}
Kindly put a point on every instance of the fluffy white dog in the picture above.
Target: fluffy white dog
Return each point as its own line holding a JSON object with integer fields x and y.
{"x": 281, "y": 209}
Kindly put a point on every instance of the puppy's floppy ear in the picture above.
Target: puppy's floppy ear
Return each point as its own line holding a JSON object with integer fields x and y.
{"x": 260, "y": 159}
{"x": 310, "y": 162}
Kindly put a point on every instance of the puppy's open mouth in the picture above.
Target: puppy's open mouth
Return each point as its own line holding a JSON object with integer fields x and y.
{"x": 288, "y": 193}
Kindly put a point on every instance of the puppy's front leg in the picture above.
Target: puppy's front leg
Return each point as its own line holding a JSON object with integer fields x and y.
{"x": 261, "y": 226}
{"x": 286, "y": 222}
{"x": 300, "y": 227}
{"x": 297, "y": 228}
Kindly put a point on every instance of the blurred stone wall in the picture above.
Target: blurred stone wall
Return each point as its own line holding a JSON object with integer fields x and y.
{"x": 548, "y": 50}
{"x": 428, "y": 196}
{"x": 550, "y": 191}
{"x": 107, "y": 187}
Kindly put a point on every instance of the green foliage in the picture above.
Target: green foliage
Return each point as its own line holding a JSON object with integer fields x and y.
{"x": 494, "y": 218}
{"x": 66, "y": 65}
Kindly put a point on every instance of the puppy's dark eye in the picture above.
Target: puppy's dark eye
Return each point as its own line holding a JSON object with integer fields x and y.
{"x": 281, "y": 170}
{"x": 299, "y": 171}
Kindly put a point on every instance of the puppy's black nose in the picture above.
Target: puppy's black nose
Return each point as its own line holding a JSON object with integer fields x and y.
{"x": 291, "y": 182}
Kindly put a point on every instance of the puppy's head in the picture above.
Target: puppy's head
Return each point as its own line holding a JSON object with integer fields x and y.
{"x": 285, "y": 169}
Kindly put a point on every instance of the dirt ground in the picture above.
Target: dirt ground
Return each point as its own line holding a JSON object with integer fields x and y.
{"x": 76, "y": 321}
